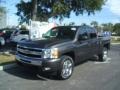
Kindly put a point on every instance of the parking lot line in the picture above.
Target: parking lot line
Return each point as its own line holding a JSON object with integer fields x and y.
{"x": 107, "y": 61}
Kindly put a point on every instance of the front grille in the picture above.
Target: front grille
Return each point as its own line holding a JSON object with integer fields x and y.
{"x": 30, "y": 52}
{"x": 30, "y": 55}
{"x": 29, "y": 48}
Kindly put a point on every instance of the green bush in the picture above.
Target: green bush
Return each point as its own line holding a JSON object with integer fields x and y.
{"x": 115, "y": 39}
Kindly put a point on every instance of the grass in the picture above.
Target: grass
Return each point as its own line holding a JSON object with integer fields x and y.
{"x": 115, "y": 39}
{"x": 5, "y": 59}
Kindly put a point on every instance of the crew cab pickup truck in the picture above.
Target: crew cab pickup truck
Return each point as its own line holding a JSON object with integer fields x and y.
{"x": 61, "y": 48}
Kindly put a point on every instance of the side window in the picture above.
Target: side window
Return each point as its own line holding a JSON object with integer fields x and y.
{"x": 83, "y": 35}
{"x": 93, "y": 34}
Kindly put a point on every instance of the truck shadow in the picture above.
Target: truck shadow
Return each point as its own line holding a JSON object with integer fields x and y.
{"x": 30, "y": 74}
{"x": 33, "y": 73}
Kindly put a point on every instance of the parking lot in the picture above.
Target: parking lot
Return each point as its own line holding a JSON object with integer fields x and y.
{"x": 90, "y": 75}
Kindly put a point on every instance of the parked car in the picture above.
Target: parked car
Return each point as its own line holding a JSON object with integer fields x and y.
{"x": 5, "y": 35}
{"x": 62, "y": 48}
{"x": 2, "y": 41}
{"x": 19, "y": 35}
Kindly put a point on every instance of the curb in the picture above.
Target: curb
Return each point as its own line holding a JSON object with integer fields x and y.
{"x": 115, "y": 43}
{"x": 8, "y": 66}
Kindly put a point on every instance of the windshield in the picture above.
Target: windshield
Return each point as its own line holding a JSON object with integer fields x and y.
{"x": 61, "y": 32}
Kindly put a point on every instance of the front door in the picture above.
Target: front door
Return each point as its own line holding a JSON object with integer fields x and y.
{"x": 82, "y": 46}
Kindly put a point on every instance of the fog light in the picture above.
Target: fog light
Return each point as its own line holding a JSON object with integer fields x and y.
{"x": 47, "y": 68}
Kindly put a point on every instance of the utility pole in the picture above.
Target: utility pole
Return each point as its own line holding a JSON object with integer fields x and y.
{"x": 34, "y": 12}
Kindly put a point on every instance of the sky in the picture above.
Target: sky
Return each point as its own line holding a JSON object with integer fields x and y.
{"x": 110, "y": 13}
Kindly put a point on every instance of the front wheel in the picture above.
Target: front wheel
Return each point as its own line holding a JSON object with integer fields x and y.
{"x": 67, "y": 66}
{"x": 104, "y": 55}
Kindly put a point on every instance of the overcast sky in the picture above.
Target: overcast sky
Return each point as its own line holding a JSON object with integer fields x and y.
{"x": 109, "y": 13}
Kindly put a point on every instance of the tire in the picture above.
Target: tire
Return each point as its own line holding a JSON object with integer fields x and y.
{"x": 66, "y": 68}
{"x": 103, "y": 56}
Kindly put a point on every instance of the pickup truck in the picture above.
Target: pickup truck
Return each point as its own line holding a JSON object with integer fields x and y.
{"x": 61, "y": 48}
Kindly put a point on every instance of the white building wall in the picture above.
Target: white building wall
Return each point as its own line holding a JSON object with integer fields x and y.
{"x": 3, "y": 20}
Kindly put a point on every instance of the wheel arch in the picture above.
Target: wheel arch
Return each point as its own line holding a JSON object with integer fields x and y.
{"x": 107, "y": 45}
{"x": 71, "y": 54}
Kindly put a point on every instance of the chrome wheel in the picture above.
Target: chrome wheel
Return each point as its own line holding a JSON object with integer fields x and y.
{"x": 105, "y": 53}
{"x": 67, "y": 69}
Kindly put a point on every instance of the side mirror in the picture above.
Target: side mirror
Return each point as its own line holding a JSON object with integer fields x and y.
{"x": 43, "y": 35}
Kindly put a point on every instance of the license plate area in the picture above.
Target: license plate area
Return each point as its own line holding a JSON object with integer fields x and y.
{"x": 25, "y": 61}
{"x": 30, "y": 61}
{"x": 36, "y": 62}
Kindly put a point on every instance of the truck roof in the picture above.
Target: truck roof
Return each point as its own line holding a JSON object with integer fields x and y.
{"x": 82, "y": 26}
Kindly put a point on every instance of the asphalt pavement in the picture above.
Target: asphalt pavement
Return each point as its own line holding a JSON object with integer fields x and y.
{"x": 90, "y": 75}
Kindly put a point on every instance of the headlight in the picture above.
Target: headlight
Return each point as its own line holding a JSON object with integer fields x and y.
{"x": 46, "y": 53}
{"x": 54, "y": 53}
{"x": 51, "y": 53}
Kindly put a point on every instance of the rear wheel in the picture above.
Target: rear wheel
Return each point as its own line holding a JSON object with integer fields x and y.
{"x": 67, "y": 66}
{"x": 103, "y": 56}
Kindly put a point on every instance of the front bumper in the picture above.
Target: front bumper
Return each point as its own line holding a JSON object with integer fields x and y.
{"x": 44, "y": 64}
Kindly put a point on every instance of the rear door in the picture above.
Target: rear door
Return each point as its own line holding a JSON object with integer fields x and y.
{"x": 93, "y": 41}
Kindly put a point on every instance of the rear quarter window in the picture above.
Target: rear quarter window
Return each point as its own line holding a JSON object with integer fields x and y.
{"x": 93, "y": 33}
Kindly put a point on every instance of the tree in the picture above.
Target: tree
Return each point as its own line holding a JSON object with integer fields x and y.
{"x": 2, "y": 9}
{"x": 116, "y": 28}
{"x": 71, "y": 23}
{"x": 42, "y": 10}
{"x": 23, "y": 27}
{"x": 107, "y": 27}
{"x": 34, "y": 13}
{"x": 96, "y": 25}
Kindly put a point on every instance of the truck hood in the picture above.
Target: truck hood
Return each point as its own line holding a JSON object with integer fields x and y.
{"x": 43, "y": 43}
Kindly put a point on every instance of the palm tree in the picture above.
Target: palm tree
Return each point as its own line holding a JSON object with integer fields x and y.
{"x": 107, "y": 27}
{"x": 34, "y": 13}
{"x": 94, "y": 24}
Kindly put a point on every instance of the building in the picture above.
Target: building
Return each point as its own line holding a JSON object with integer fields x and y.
{"x": 3, "y": 18}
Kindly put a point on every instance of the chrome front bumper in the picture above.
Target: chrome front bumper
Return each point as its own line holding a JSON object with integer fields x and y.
{"x": 28, "y": 60}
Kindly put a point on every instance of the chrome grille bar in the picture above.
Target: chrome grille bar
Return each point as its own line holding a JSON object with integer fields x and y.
{"x": 30, "y": 51}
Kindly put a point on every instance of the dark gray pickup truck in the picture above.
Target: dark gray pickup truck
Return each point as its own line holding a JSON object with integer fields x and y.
{"x": 61, "y": 48}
